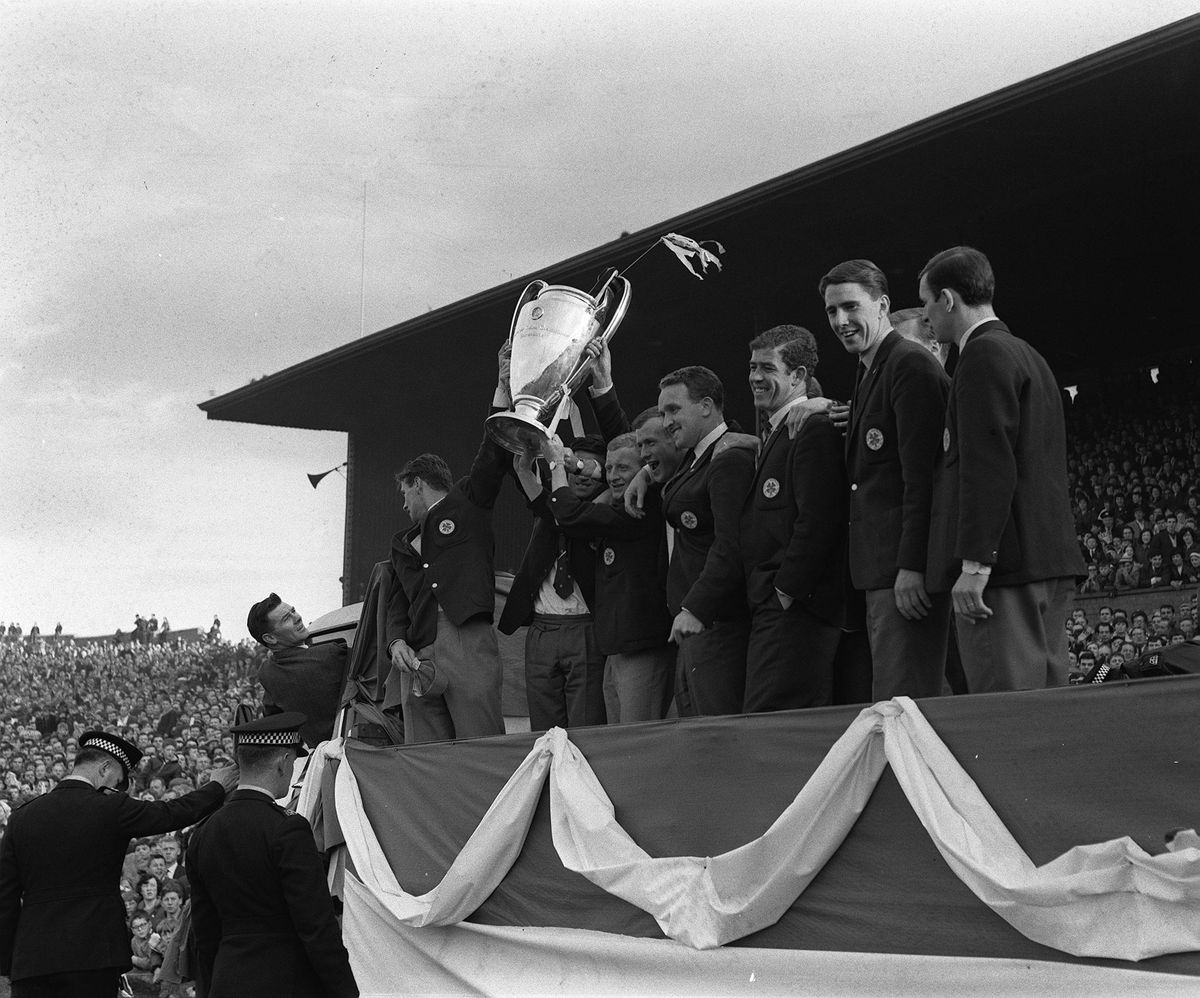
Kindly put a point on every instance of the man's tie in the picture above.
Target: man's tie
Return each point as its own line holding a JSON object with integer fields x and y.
{"x": 564, "y": 582}
{"x": 859, "y": 373}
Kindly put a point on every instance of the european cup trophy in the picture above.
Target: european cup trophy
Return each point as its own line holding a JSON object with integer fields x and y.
{"x": 551, "y": 329}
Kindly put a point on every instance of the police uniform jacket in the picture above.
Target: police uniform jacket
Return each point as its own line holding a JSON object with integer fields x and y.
{"x": 1000, "y": 483}
{"x": 547, "y": 540}
{"x": 454, "y": 570}
{"x": 60, "y": 866}
{"x": 892, "y": 444}
{"x": 261, "y": 912}
{"x": 703, "y": 502}
{"x": 631, "y": 569}
{"x": 793, "y": 522}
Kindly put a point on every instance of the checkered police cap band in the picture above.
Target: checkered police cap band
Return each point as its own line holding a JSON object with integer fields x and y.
{"x": 266, "y": 738}
{"x": 111, "y": 747}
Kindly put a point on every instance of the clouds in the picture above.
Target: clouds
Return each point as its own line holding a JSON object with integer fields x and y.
{"x": 182, "y": 212}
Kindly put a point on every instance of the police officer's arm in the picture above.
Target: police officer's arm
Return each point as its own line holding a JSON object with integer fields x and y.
{"x": 10, "y": 901}
{"x": 139, "y": 817}
{"x": 818, "y": 484}
{"x": 206, "y": 924}
{"x": 307, "y": 896}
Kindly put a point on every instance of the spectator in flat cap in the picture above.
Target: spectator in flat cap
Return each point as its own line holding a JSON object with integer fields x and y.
{"x": 256, "y": 865}
{"x": 297, "y": 675}
{"x": 74, "y": 941}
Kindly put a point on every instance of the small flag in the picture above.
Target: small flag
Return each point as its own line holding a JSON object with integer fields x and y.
{"x": 686, "y": 249}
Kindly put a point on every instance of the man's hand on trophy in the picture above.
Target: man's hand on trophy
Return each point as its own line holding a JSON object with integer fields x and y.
{"x": 504, "y": 357}
{"x": 503, "y": 397}
{"x": 553, "y": 449}
{"x": 602, "y": 380}
{"x": 527, "y": 476}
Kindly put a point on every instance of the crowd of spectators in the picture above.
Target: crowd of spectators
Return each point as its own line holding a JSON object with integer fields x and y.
{"x": 1111, "y": 637}
{"x": 1134, "y": 472}
{"x": 176, "y": 702}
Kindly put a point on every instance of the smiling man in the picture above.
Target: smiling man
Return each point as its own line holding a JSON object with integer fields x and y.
{"x": 792, "y": 535}
{"x": 297, "y": 675}
{"x": 702, "y": 502}
{"x": 892, "y": 442}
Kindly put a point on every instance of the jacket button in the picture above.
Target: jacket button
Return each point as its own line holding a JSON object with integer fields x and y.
{"x": 434, "y": 586}
{"x": 426, "y": 565}
{"x": 854, "y": 487}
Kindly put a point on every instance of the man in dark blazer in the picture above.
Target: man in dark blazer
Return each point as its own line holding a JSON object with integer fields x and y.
{"x": 440, "y": 611}
{"x": 297, "y": 675}
{"x": 702, "y": 502}
{"x": 1002, "y": 539}
{"x": 261, "y": 913}
{"x": 892, "y": 441}
{"x": 62, "y": 923}
{"x": 631, "y": 620}
{"x": 553, "y": 591}
{"x": 792, "y": 535}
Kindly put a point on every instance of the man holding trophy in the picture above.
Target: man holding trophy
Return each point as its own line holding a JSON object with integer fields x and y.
{"x": 559, "y": 338}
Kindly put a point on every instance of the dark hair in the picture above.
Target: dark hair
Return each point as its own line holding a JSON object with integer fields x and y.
{"x": 700, "y": 382}
{"x": 169, "y": 885}
{"x": 797, "y": 346}
{"x": 589, "y": 443}
{"x": 862, "y": 272}
{"x": 430, "y": 469}
{"x": 643, "y": 417}
{"x": 962, "y": 269}
{"x": 256, "y": 620}
{"x": 254, "y": 756}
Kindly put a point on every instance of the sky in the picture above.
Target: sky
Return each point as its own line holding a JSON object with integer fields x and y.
{"x": 182, "y": 210}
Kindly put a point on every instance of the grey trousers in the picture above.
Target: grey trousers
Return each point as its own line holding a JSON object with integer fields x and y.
{"x": 638, "y": 685}
{"x": 908, "y": 657}
{"x": 1023, "y": 645}
{"x": 469, "y": 658}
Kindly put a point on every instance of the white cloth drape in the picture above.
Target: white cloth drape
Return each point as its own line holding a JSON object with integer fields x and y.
{"x": 1110, "y": 899}
{"x": 392, "y": 959}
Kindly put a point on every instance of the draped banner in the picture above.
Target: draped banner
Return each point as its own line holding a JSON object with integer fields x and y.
{"x": 566, "y": 840}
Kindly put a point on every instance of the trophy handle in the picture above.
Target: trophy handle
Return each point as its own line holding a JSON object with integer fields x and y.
{"x": 559, "y": 396}
{"x": 620, "y": 310}
{"x": 532, "y": 290}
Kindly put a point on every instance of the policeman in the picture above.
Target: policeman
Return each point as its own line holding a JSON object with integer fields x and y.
{"x": 261, "y": 913}
{"x": 62, "y": 923}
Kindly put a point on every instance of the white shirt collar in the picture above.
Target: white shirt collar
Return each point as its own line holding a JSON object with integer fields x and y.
{"x": 781, "y": 413}
{"x": 970, "y": 329}
{"x": 708, "y": 440}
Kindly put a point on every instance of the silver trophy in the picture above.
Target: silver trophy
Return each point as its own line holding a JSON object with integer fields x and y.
{"x": 551, "y": 328}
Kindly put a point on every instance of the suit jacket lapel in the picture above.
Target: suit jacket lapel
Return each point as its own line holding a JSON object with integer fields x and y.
{"x": 869, "y": 384}
{"x": 771, "y": 442}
